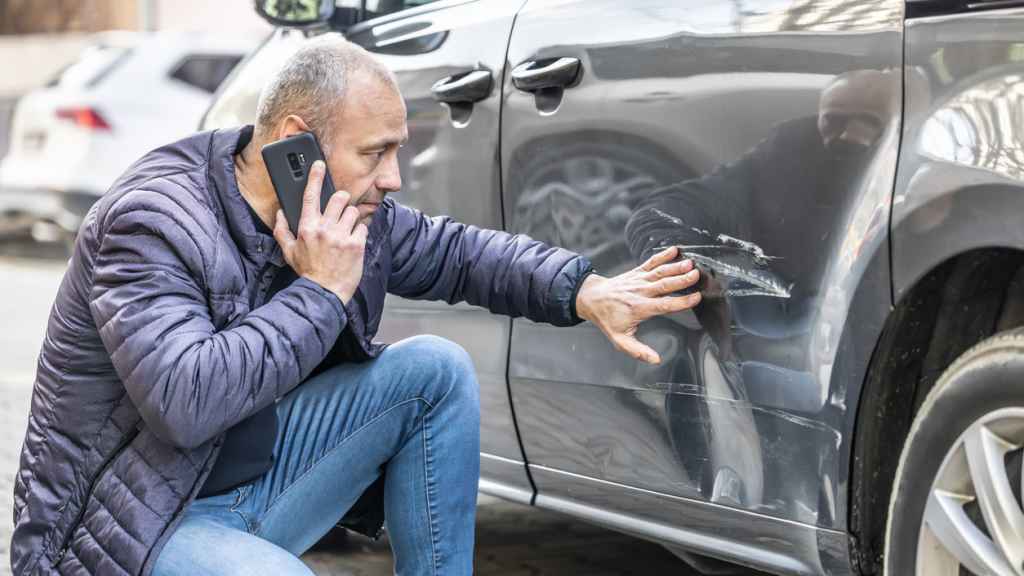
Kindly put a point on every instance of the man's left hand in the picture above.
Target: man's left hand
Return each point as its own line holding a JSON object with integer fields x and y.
{"x": 618, "y": 305}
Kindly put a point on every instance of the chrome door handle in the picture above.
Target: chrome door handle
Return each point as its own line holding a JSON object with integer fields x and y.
{"x": 534, "y": 75}
{"x": 463, "y": 88}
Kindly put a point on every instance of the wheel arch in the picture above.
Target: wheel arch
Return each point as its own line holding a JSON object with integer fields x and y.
{"x": 957, "y": 302}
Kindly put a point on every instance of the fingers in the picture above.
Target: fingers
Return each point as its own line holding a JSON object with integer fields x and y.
{"x": 666, "y": 255}
{"x": 336, "y": 205}
{"x": 360, "y": 232}
{"x": 674, "y": 283}
{"x": 670, "y": 304}
{"x": 349, "y": 218}
{"x": 311, "y": 195}
{"x": 670, "y": 269}
{"x": 282, "y": 234}
{"x": 636, "y": 349}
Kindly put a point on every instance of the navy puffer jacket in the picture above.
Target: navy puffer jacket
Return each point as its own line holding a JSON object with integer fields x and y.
{"x": 161, "y": 338}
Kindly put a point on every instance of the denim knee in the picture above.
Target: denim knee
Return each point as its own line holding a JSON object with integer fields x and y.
{"x": 444, "y": 368}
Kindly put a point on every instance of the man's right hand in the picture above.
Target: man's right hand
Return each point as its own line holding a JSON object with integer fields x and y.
{"x": 330, "y": 246}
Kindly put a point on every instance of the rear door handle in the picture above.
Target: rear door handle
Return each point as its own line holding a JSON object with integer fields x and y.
{"x": 534, "y": 75}
{"x": 463, "y": 88}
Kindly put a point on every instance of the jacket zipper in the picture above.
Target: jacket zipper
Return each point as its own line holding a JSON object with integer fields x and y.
{"x": 65, "y": 544}
{"x": 193, "y": 492}
{"x": 255, "y": 293}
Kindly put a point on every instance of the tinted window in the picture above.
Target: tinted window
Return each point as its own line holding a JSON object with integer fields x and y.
{"x": 205, "y": 72}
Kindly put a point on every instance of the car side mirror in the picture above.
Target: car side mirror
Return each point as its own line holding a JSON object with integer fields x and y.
{"x": 295, "y": 13}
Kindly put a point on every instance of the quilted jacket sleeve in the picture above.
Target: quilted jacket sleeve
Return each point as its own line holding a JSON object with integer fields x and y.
{"x": 188, "y": 380}
{"x": 440, "y": 259}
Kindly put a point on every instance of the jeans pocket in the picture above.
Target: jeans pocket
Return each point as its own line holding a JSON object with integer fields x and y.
{"x": 241, "y": 507}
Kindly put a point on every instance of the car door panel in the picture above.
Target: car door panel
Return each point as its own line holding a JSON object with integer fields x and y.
{"x": 710, "y": 125}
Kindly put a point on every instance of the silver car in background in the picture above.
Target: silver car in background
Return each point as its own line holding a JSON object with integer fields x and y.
{"x": 850, "y": 176}
{"x": 72, "y": 138}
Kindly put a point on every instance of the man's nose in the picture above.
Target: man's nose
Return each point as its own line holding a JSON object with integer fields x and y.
{"x": 390, "y": 179}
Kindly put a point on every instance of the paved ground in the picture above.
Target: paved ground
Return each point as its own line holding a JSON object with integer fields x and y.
{"x": 512, "y": 540}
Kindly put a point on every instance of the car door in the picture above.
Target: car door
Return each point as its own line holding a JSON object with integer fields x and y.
{"x": 760, "y": 137}
{"x": 449, "y": 58}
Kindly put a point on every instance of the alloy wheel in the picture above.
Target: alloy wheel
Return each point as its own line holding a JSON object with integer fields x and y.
{"x": 973, "y": 521}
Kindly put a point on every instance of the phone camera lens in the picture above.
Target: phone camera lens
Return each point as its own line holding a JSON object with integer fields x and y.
{"x": 293, "y": 161}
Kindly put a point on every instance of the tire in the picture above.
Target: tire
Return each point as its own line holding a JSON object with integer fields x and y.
{"x": 976, "y": 406}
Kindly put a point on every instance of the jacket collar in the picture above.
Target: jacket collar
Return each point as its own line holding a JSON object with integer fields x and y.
{"x": 254, "y": 245}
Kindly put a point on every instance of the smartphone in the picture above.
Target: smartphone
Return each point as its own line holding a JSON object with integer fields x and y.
{"x": 288, "y": 162}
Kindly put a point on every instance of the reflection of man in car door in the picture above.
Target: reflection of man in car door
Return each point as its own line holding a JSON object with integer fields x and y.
{"x": 761, "y": 222}
{"x": 783, "y": 193}
{"x": 761, "y": 226}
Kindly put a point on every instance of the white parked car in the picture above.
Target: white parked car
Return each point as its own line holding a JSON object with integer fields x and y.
{"x": 127, "y": 94}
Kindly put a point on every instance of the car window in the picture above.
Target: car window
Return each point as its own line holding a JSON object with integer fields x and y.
{"x": 375, "y": 8}
{"x": 235, "y": 104}
{"x": 205, "y": 72}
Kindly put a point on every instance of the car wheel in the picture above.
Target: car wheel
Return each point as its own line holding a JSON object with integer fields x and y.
{"x": 579, "y": 193}
{"x": 956, "y": 504}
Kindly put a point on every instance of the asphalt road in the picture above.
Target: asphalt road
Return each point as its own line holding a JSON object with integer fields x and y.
{"x": 512, "y": 539}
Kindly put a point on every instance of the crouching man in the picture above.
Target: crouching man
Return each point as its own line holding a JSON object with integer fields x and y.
{"x": 208, "y": 397}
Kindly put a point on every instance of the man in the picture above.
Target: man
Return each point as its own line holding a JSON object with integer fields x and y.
{"x": 208, "y": 398}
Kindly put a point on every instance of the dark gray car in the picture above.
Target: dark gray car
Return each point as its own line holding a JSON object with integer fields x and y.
{"x": 848, "y": 173}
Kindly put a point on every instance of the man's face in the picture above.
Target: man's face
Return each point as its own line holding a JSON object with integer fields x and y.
{"x": 363, "y": 154}
{"x": 853, "y": 112}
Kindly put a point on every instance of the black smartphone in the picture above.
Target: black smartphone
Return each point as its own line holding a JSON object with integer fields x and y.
{"x": 288, "y": 162}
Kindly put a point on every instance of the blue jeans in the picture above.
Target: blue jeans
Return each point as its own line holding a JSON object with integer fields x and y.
{"x": 414, "y": 412}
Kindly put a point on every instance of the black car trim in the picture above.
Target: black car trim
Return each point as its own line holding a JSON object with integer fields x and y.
{"x": 403, "y": 14}
{"x": 924, "y": 8}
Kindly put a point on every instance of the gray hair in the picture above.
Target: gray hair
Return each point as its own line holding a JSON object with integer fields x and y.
{"x": 312, "y": 84}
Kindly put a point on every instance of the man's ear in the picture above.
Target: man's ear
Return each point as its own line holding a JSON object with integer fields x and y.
{"x": 291, "y": 126}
